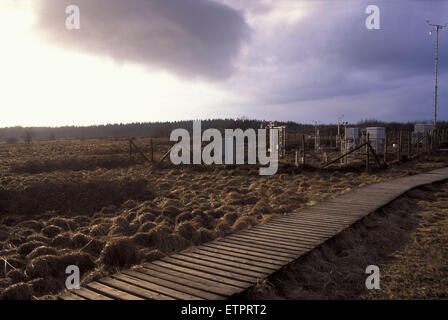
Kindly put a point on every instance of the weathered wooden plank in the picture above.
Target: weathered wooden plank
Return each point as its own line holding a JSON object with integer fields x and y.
{"x": 90, "y": 295}
{"x": 343, "y": 210}
{"x": 194, "y": 271}
{"x": 249, "y": 262}
{"x": 70, "y": 296}
{"x": 305, "y": 228}
{"x": 322, "y": 215}
{"x": 288, "y": 223}
{"x": 268, "y": 250}
{"x": 208, "y": 262}
{"x": 219, "y": 259}
{"x": 211, "y": 269}
{"x": 307, "y": 222}
{"x": 325, "y": 216}
{"x": 226, "y": 252}
{"x": 285, "y": 235}
{"x": 247, "y": 251}
{"x": 165, "y": 289}
{"x": 185, "y": 286}
{"x": 139, "y": 288}
{"x": 349, "y": 203}
{"x": 276, "y": 242}
{"x": 355, "y": 200}
{"x": 198, "y": 282}
{"x": 288, "y": 239}
{"x": 298, "y": 246}
{"x": 111, "y": 291}
{"x": 251, "y": 246}
{"x": 290, "y": 231}
{"x": 293, "y": 244}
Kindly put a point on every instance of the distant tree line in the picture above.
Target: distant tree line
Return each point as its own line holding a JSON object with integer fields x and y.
{"x": 163, "y": 129}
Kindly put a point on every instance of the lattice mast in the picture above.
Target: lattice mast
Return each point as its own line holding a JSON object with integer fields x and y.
{"x": 437, "y": 28}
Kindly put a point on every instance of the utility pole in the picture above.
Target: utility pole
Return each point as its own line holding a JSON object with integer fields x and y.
{"x": 437, "y": 27}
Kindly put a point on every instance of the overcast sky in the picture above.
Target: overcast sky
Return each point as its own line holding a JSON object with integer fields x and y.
{"x": 156, "y": 60}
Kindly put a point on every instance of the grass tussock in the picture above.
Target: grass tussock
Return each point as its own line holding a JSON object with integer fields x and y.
{"x": 119, "y": 253}
{"x": 18, "y": 291}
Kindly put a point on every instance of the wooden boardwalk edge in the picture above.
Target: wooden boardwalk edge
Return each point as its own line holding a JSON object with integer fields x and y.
{"x": 226, "y": 266}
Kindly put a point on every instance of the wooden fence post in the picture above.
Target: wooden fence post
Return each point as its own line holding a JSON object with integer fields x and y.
{"x": 304, "y": 149}
{"x": 429, "y": 143}
{"x": 297, "y": 158}
{"x": 418, "y": 143}
{"x": 385, "y": 148}
{"x": 437, "y": 139}
{"x": 400, "y": 140}
{"x": 409, "y": 144}
{"x": 367, "y": 152}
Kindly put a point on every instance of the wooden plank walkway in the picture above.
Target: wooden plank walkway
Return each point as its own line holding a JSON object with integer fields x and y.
{"x": 226, "y": 266}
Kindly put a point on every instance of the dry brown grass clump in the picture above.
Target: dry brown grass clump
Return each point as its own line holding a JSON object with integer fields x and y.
{"x": 187, "y": 230}
{"x": 205, "y": 235}
{"x": 230, "y": 218}
{"x": 244, "y": 223}
{"x": 31, "y": 224}
{"x": 94, "y": 247}
{"x": 261, "y": 207}
{"x": 119, "y": 253}
{"x": 18, "y": 291}
{"x": 64, "y": 223}
{"x": 41, "y": 287}
{"x": 41, "y": 251}
{"x": 16, "y": 275}
{"x": 96, "y": 274}
{"x": 79, "y": 240}
{"x": 54, "y": 266}
{"x": 51, "y": 231}
{"x": 27, "y": 247}
{"x": 147, "y": 226}
{"x": 100, "y": 229}
{"x": 152, "y": 254}
{"x": 62, "y": 240}
{"x": 184, "y": 216}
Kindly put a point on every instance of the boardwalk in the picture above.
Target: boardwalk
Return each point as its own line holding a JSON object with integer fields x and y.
{"x": 226, "y": 266}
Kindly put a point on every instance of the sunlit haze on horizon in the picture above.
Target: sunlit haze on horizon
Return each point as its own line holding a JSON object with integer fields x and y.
{"x": 198, "y": 59}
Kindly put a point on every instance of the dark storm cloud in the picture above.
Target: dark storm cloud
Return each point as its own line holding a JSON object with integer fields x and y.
{"x": 327, "y": 62}
{"x": 345, "y": 58}
{"x": 191, "y": 38}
